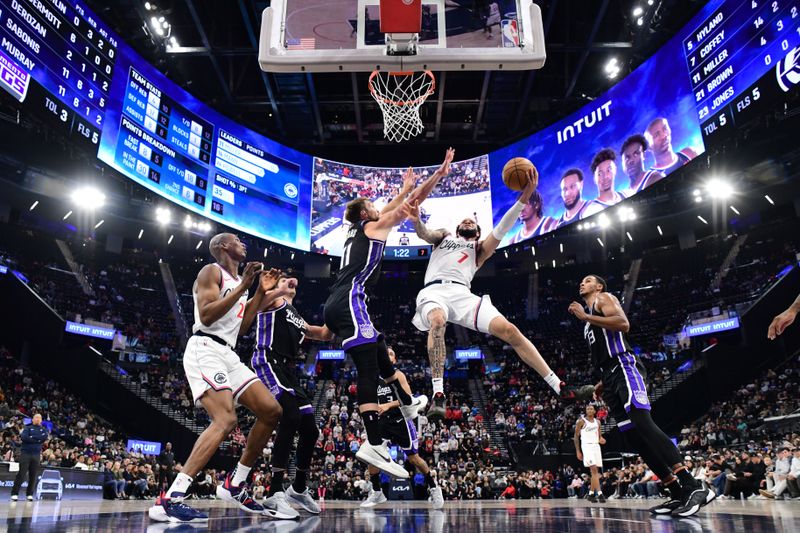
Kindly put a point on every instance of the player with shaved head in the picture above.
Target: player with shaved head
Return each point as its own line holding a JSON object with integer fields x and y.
{"x": 219, "y": 380}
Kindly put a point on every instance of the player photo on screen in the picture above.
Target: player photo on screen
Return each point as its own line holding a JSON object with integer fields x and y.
{"x": 464, "y": 189}
{"x": 624, "y": 141}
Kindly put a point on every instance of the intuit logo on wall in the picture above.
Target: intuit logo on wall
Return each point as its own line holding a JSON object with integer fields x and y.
{"x": 143, "y": 446}
{"x": 712, "y": 327}
{"x": 89, "y": 331}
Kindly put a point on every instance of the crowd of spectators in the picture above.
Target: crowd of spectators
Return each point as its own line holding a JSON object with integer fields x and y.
{"x": 335, "y": 184}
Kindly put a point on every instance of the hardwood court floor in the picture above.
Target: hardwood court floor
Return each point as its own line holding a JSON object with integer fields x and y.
{"x": 462, "y": 517}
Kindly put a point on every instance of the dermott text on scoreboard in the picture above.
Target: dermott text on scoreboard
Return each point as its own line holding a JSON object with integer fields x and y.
{"x": 66, "y": 49}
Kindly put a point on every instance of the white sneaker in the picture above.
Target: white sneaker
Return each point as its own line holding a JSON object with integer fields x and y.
{"x": 30, "y": 498}
{"x": 376, "y": 497}
{"x": 14, "y": 498}
{"x": 276, "y": 506}
{"x": 303, "y": 499}
{"x": 410, "y": 412}
{"x": 378, "y": 456}
{"x": 437, "y": 500}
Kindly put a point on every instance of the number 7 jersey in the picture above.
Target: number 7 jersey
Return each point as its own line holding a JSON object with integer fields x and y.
{"x": 455, "y": 259}
{"x": 227, "y": 326}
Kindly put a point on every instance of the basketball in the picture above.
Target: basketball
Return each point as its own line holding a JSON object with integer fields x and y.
{"x": 515, "y": 173}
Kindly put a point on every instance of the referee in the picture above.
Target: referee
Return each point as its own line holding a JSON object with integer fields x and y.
{"x": 33, "y": 436}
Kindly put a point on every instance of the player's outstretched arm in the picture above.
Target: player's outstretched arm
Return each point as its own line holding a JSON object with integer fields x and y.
{"x": 209, "y": 305}
{"x": 380, "y": 229}
{"x": 614, "y": 317}
{"x": 409, "y": 180}
{"x": 319, "y": 333}
{"x": 490, "y": 243}
{"x": 783, "y": 320}
{"x": 426, "y": 187}
{"x": 434, "y": 237}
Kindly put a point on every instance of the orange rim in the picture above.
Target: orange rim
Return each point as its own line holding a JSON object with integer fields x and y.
{"x": 402, "y": 103}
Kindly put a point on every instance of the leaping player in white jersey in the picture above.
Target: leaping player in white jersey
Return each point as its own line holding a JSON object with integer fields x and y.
{"x": 446, "y": 296}
{"x": 588, "y": 439}
{"x": 219, "y": 380}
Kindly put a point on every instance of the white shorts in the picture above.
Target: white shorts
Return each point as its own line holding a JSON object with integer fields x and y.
{"x": 592, "y": 455}
{"x": 210, "y": 365}
{"x": 460, "y": 307}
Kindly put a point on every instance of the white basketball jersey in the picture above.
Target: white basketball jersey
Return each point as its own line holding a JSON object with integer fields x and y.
{"x": 455, "y": 259}
{"x": 227, "y": 326}
{"x": 589, "y": 432}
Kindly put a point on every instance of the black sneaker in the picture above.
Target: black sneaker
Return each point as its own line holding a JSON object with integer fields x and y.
{"x": 592, "y": 498}
{"x": 666, "y": 507}
{"x": 437, "y": 408}
{"x": 692, "y": 503}
{"x": 601, "y": 498}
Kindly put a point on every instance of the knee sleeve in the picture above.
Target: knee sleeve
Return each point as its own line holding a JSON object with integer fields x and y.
{"x": 365, "y": 359}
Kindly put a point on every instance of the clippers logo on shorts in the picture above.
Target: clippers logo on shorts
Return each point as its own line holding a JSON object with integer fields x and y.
{"x": 220, "y": 378}
{"x": 367, "y": 331}
{"x": 12, "y": 78}
{"x": 788, "y": 70}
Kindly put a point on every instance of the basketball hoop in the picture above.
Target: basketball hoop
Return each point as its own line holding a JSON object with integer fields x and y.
{"x": 400, "y": 95}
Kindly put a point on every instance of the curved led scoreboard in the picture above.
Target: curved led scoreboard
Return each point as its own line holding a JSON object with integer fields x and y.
{"x": 65, "y": 65}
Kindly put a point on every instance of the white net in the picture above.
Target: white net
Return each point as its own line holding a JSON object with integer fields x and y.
{"x": 400, "y": 95}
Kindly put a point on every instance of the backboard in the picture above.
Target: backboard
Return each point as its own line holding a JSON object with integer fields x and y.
{"x": 345, "y": 35}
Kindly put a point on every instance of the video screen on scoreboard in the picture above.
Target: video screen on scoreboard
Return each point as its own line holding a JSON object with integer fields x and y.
{"x": 640, "y": 131}
{"x": 658, "y": 118}
{"x": 463, "y": 193}
{"x": 170, "y": 142}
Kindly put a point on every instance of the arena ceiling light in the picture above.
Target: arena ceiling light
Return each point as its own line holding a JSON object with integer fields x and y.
{"x": 626, "y": 214}
{"x": 169, "y": 241}
{"x": 199, "y": 244}
{"x": 533, "y": 251}
{"x": 88, "y": 197}
{"x": 718, "y": 188}
{"x": 69, "y": 213}
{"x": 536, "y": 264}
{"x": 704, "y": 221}
{"x": 33, "y": 205}
{"x": 141, "y": 232}
{"x": 628, "y": 233}
{"x": 769, "y": 199}
{"x": 659, "y": 231}
{"x": 603, "y": 221}
{"x": 99, "y": 224}
{"x": 163, "y": 216}
{"x": 734, "y": 210}
{"x": 612, "y": 68}
{"x": 600, "y": 241}
{"x": 638, "y": 11}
